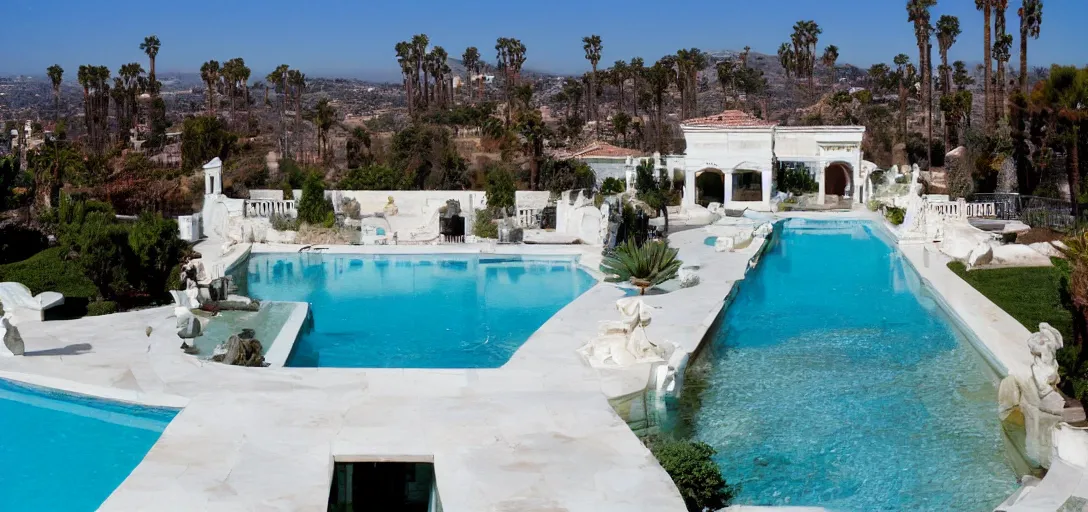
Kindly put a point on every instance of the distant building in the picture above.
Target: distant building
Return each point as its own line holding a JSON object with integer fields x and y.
{"x": 606, "y": 160}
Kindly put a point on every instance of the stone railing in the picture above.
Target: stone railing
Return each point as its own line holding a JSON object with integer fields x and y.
{"x": 264, "y": 208}
{"x": 961, "y": 209}
{"x": 528, "y": 217}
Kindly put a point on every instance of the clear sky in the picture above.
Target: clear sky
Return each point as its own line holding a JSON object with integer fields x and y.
{"x": 356, "y": 37}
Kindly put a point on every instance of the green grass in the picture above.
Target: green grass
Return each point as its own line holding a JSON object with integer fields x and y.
{"x": 49, "y": 271}
{"x": 1030, "y": 295}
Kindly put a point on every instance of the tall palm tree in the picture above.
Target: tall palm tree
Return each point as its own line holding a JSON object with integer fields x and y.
{"x": 532, "y": 128}
{"x": 658, "y": 78}
{"x": 150, "y": 46}
{"x": 948, "y": 29}
{"x": 56, "y": 75}
{"x": 637, "y": 68}
{"x": 324, "y": 118}
{"x": 726, "y": 70}
{"x": 697, "y": 61}
{"x": 471, "y": 60}
{"x": 620, "y": 73}
{"x": 744, "y": 56}
{"x": 209, "y": 73}
{"x": 904, "y": 81}
{"x": 407, "y": 66}
{"x": 1066, "y": 94}
{"x": 986, "y": 6}
{"x": 787, "y": 58}
{"x": 1031, "y": 21}
{"x": 1001, "y": 53}
{"x": 278, "y": 80}
{"x": 420, "y": 42}
{"x": 830, "y": 57}
{"x": 918, "y": 13}
{"x": 511, "y": 58}
{"x": 592, "y": 46}
{"x": 296, "y": 80}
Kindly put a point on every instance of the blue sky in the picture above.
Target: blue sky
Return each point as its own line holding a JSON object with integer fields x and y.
{"x": 356, "y": 38}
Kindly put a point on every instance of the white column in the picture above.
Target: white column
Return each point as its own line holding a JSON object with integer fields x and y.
{"x": 768, "y": 177}
{"x": 689, "y": 187}
{"x": 820, "y": 179}
{"x": 727, "y": 188}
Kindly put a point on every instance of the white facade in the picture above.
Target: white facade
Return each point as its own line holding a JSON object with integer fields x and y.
{"x": 747, "y": 155}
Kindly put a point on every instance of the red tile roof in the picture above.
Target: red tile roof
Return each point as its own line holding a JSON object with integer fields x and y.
{"x": 604, "y": 150}
{"x": 730, "y": 119}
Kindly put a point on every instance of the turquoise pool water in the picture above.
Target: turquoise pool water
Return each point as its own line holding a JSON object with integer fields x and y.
{"x": 834, "y": 380}
{"x": 430, "y": 311}
{"x": 68, "y": 452}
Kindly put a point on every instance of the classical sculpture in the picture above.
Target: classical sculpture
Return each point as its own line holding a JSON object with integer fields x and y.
{"x": 390, "y": 209}
{"x": 1034, "y": 398}
{"x": 623, "y": 343}
{"x": 12, "y": 342}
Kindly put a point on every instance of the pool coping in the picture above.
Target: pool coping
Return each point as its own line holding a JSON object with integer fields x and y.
{"x": 156, "y": 400}
{"x": 277, "y": 354}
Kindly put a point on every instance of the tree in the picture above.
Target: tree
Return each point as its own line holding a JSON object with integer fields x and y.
{"x": 1031, "y": 21}
{"x": 948, "y": 29}
{"x": 830, "y": 57}
{"x": 103, "y": 248}
{"x": 637, "y": 68}
{"x": 374, "y": 177}
{"x": 204, "y": 138}
{"x": 621, "y": 121}
{"x": 296, "y": 81}
{"x": 559, "y": 175}
{"x": 905, "y": 75}
{"x": 592, "y": 46}
{"x": 1065, "y": 93}
{"x": 278, "y": 79}
{"x": 510, "y": 57}
{"x": 500, "y": 188}
{"x": 726, "y": 71}
{"x": 419, "y": 45}
{"x": 918, "y": 13}
{"x": 620, "y": 72}
{"x": 787, "y": 58}
{"x": 532, "y": 128}
{"x": 358, "y": 148}
{"x": 56, "y": 76}
{"x": 471, "y": 61}
{"x": 1002, "y": 53}
{"x": 405, "y": 58}
{"x": 150, "y": 47}
{"x": 324, "y": 118}
{"x": 658, "y": 79}
{"x": 209, "y": 73}
{"x": 692, "y": 468}
{"x": 156, "y": 250}
{"x": 986, "y": 6}
{"x": 313, "y": 207}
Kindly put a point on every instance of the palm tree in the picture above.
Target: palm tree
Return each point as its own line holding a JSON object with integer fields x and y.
{"x": 621, "y": 121}
{"x": 471, "y": 60}
{"x": 150, "y": 46}
{"x": 643, "y": 266}
{"x": 986, "y": 6}
{"x": 904, "y": 80}
{"x": 787, "y": 58}
{"x": 278, "y": 80}
{"x": 620, "y": 72}
{"x": 1001, "y": 53}
{"x": 592, "y": 46}
{"x": 420, "y": 42}
{"x": 1031, "y": 21}
{"x": 56, "y": 75}
{"x": 658, "y": 78}
{"x": 1066, "y": 94}
{"x": 697, "y": 61}
{"x": 324, "y": 118}
{"x": 948, "y": 29}
{"x": 532, "y": 128}
{"x": 296, "y": 80}
{"x": 918, "y": 13}
{"x": 209, "y": 73}
{"x": 637, "y": 67}
{"x": 726, "y": 71}
{"x": 510, "y": 57}
{"x": 830, "y": 57}
{"x": 407, "y": 66}
{"x": 744, "y": 56}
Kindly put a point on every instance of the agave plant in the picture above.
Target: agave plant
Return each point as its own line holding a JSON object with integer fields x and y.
{"x": 646, "y": 266}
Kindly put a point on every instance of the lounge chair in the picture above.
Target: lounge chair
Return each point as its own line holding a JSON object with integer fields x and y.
{"x": 17, "y": 299}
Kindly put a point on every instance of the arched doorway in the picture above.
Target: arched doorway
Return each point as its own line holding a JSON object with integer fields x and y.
{"x": 709, "y": 186}
{"x": 837, "y": 179}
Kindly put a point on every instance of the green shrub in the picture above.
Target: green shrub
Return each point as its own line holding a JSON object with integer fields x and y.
{"x": 101, "y": 307}
{"x": 612, "y": 186}
{"x": 174, "y": 281}
{"x": 501, "y": 189}
{"x": 691, "y": 467}
{"x": 895, "y": 215}
{"x": 483, "y": 226}
{"x": 313, "y": 207}
{"x": 873, "y": 205}
{"x": 103, "y": 252}
{"x": 375, "y": 177}
{"x": 49, "y": 271}
{"x": 281, "y": 222}
{"x": 796, "y": 179}
{"x": 330, "y": 220}
{"x": 156, "y": 250}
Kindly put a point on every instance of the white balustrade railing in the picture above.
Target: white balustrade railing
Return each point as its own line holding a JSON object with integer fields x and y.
{"x": 264, "y": 208}
{"x": 527, "y": 217}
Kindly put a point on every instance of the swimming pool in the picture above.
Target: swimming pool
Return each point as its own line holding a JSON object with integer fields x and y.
{"x": 833, "y": 380}
{"x": 60, "y": 451}
{"x": 445, "y": 311}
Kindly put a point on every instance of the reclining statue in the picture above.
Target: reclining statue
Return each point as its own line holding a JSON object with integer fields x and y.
{"x": 1035, "y": 396}
{"x": 624, "y": 343}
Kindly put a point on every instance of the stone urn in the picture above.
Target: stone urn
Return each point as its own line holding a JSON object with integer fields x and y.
{"x": 642, "y": 284}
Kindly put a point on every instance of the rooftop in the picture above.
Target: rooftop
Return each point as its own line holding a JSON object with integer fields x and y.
{"x": 600, "y": 149}
{"x": 730, "y": 119}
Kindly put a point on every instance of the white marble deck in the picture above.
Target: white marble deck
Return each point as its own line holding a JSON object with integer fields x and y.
{"x": 537, "y": 434}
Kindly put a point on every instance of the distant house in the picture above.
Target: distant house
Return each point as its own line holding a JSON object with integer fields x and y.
{"x": 606, "y": 160}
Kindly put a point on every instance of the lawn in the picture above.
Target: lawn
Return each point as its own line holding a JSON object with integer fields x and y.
{"x": 1030, "y": 295}
{"x": 49, "y": 271}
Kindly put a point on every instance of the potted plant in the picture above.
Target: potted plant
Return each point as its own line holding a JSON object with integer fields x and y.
{"x": 649, "y": 265}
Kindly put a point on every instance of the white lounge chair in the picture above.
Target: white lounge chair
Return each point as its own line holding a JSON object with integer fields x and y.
{"x": 17, "y": 299}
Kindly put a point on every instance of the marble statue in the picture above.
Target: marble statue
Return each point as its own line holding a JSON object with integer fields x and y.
{"x": 12, "y": 342}
{"x": 1034, "y": 398}
{"x": 623, "y": 343}
{"x": 390, "y": 209}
